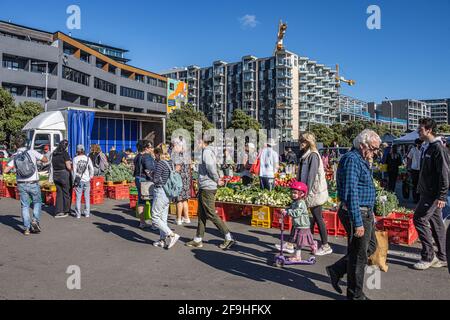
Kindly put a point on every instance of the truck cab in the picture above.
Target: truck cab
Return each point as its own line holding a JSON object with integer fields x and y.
{"x": 48, "y": 128}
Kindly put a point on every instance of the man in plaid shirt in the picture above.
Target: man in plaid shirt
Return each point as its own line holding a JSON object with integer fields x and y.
{"x": 356, "y": 192}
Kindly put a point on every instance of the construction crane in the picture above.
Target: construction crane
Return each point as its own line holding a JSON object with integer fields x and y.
{"x": 281, "y": 32}
{"x": 340, "y": 79}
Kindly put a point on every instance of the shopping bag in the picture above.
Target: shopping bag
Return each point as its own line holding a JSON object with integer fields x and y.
{"x": 256, "y": 166}
{"x": 379, "y": 258}
{"x": 147, "y": 211}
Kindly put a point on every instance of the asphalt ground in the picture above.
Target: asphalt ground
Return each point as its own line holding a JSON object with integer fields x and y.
{"x": 118, "y": 261}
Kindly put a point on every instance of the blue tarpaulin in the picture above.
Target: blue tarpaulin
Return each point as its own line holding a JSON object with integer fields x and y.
{"x": 80, "y": 129}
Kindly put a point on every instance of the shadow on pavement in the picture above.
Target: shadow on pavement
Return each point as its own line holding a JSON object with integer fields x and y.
{"x": 123, "y": 233}
{"x": 13, "y": 222}
{"x": 251, "y": 269}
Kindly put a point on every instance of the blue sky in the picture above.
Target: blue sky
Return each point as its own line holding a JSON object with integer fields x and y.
{"x": 408, "y": 58}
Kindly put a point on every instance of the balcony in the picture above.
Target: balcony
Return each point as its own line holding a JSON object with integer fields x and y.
{"x": 282, "y": 75}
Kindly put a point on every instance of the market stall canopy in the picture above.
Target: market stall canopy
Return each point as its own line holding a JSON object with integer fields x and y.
{"x": 408, "y": 138}
{"x": 388, "y": 138}
{"x": 53, "y": 120}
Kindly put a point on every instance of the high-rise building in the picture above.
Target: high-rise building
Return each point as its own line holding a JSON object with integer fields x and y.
{"x": 439, "y": 109}
{"x": 285, "y": 91}
{"x": 406, "y": 109}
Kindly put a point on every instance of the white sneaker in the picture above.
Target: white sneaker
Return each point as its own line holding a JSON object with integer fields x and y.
{"x": 171, "y": 240}
{"x": 186, "y": 221}
{"x": 178, "y": 222}
{"x": 324, "y": 250}
{"x": 87, "y": 215}
{"x": 423, "y": 265}
{"x": 286, "y": 248}
{"x": 436, "y": 263}
{"x": 159, "y": 244}
{"x": 78, "y": 217}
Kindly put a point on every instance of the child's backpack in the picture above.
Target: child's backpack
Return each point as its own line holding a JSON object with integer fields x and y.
{"x": 25, "y": 167}
{"x": 174, "y": 184}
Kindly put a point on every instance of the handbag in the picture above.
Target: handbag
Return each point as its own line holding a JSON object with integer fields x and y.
{"x": 379, "y": 258}
{"x": 255, "y": 169}
{"x": 146, "y": 187}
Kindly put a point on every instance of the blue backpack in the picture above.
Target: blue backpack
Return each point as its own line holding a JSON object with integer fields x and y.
{"x": 174, "y": 184}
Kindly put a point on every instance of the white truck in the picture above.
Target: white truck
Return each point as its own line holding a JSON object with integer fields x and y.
{"x": 94, "y": 126}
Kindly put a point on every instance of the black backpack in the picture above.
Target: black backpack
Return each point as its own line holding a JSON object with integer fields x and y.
{"x": 25, "y": 167}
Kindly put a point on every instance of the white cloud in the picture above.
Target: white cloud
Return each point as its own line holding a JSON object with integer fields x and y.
{"x": 248, "y": 21}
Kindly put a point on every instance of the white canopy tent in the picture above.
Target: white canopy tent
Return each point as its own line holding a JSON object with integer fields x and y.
{"x": 408, "y": 138}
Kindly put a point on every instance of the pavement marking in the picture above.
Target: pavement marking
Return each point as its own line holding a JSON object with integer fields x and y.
{"x": 404, "y": 254}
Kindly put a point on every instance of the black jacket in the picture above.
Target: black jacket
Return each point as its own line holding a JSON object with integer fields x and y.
{"x": 434, "y": 173}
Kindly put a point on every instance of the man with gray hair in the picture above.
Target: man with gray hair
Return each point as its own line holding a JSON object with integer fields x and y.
{"x": 83, "y": 171}
{"x": 356, "y": 191}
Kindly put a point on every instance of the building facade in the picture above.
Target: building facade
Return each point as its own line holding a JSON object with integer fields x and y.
{"x": 406, "y": 109}
{"x": 285, "y": 91}
{"x": 80, "y": 74}
{"x": 439, "y": 110}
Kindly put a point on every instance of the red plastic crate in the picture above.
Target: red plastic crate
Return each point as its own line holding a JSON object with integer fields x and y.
{"x": 340, "y": 228}
{"x": 228, "y": 212}
{"x": 16, "y": 193}
{"x": 119, "y": 192}
{"x": 276, "y": 222}
{"x": 50, "y": 198}
{"x": 247, "y": 211}
{"x": 331, "y": 222}
{"x": 193, "y": 207}
{"x": 400, "y": 228}
{"x": 96, "y": 197}
{"x": 97, "y": 183}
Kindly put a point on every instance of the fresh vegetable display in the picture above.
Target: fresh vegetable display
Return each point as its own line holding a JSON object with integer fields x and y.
{"x": 119, "y": 173}
{"x": 280, "y": 197}
{"x": 9, "y": 178}
{"x": 284, "y": 180}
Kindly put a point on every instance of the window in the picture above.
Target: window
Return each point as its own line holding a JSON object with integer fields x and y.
{"x": 36, "y": 93}
{"x": 39, "y": 68}
{"x": 131, "y": 93}
{"x": 172, "y": 86}
{"x": 56, "y": 140}
{"x": 139, "y": 78}
{"x": 162, "y": 84}
{"x": 11, "y": 64}
{"x": 156, "y": 98}
{"x": 105, "y": 85}
{"x": 40, "y": 141}
{"x": 152, "y": 81}
{"x": 75, "y": 76}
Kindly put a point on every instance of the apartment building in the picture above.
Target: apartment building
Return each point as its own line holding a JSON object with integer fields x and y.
{"x": 439, "y": 110}
{"x": 80, "y": 73}
{"x": 406, "y": 109}
{"x": 285, "y": 91}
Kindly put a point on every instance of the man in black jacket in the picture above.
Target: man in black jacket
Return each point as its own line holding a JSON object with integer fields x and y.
{"x": 433, "y": 188}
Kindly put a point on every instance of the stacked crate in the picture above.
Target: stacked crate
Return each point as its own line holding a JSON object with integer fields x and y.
{"x": 261, "y": 217}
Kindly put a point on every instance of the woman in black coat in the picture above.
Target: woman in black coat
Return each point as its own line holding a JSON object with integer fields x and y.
{"x": 393, "y": 161}
{"x": 61, "y": 169}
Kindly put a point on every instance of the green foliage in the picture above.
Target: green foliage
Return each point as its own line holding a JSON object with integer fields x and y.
{"x": 13, "y": 117}
{"x": 243, "y": 121}
{"x": 280, "y": 197}
{"x": 184, "y": 118}
{"x": 344, "y": 134}
{"x": 443, "y": 128}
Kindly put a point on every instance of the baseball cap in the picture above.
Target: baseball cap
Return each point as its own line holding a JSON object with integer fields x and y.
{"x": 80, "y": 148}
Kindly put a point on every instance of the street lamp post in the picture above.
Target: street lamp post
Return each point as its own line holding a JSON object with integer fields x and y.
{"x": 46, "y": 82}
{"x": 390, "y": 102}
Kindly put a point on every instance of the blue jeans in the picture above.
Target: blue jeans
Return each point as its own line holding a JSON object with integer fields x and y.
{"x": 86, "y": 188}
{"x": 30, "y": 191}
{"x": 160, "y": 212}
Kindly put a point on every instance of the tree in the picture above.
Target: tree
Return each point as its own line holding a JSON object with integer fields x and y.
{"x": 243, "y": 121}
{"x": 184, "y": 118}
{"x": 443, "y": 128}
{"x": 13, "y": 117}
{"x": 323, "y": 134}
